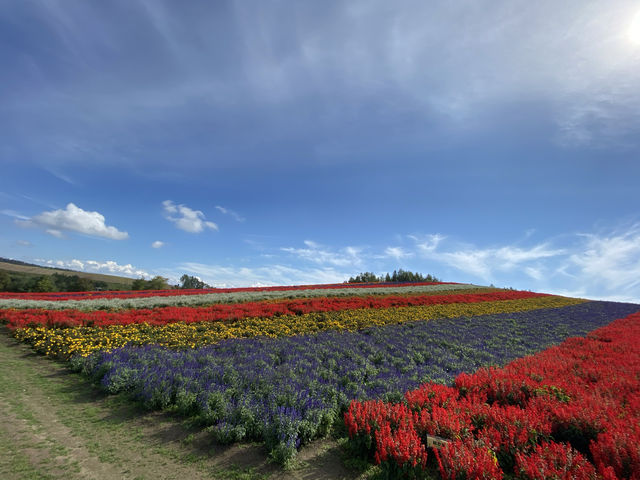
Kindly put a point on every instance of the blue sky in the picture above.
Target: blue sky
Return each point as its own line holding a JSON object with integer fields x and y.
{"x": 270, "y": 142}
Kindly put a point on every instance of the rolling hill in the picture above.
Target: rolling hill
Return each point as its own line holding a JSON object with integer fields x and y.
{"x": 18, "y": 268}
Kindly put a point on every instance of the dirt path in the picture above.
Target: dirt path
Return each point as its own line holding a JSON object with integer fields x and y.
{"x": 54, "y": 425}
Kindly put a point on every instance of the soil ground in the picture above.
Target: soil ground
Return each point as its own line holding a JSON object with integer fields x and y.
{"x": 55, "y": 425}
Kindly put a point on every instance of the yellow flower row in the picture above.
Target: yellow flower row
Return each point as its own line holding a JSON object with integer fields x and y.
{"x": 67, "y": 342}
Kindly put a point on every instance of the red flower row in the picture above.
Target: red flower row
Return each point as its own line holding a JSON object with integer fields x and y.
{"x": 236, "y": 311}
{"x": 169, "y": 293}
{"x": 569, "y": 412}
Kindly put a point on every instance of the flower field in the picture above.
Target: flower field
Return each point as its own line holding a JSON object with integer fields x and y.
{"x": 498, "y": 377}
{"x": 571, "y": 411}
{"x": 193, "y": 298}
{"x": 303, "y": 290}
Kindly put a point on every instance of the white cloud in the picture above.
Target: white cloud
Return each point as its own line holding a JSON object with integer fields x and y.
{"x": 427, "y": 243}
{"x": 311, "y": 244}
{"x": 315, "y": 253}
{"x": 24, "y": 243}
{"x": 485, "y": 262}
{"x": 158, "y": 244}
{"x": 93, "y": 266}
{"x": 512, "y": 256}
{"x": 192, "y": 221}
{"x": 535, "y": 273}
{"x": 76, "y": 264}
{"x": 14, "y": 214}
{"x": 61, "y": 176}
{"x": 610, "y": 261}
{"x": 603, "y": 265}
{"x": 589, "y": 81}
{"x": 274, "y": 274}
{"x": 54, "y": 233}
{"x": 74, "y": 219}
{"x": 397, "y": 252}
{"x": 225, "y": 211}
{"x": 113, "y": 267}
{"x": 564, "y": 56}
{"x": 469, "y": 261}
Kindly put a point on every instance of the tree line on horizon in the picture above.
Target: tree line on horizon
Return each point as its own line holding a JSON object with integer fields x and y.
{"x": 21, "y": 282}
{"x": 187, "y": 282}
{"x": 398, "y": 276}
{"x": 57, "y": 282}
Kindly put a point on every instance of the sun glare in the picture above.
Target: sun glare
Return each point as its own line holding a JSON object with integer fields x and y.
{"x": 634, "y": 30}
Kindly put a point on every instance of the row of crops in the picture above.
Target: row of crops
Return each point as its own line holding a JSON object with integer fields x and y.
{"x": 569, "y": 412}
{"x": 393, "y": 364}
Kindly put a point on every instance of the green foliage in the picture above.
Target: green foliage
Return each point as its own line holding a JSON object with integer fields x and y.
{"x": 156, "y": 283}
{"x": 138, "y": 284}
{"x": 398, "y": 276}
{"x": 22, "y": 283}
{"x": 190, "y": 282}
{"x": 73, "y": 283}
{"x": 5, "y": 281}
{"x": 365, "y": 277}
{"x": 45, "y": 284}
{"x": 12, "y": 281}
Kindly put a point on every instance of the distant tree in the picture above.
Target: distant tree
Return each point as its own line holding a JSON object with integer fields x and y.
{"x": 138, "y": 284}
{"x": 403, "y": 276}
{"x": 45, "y": 284}
{"x": 5, "y": 281}
{"x": 190, "y": 282}
{"x": 81, "y": 284}
{"x": 157, "y": 283}
{"x": 72, "y": 283}
{"x": 365, "y": 277}
{"x": 61, "y": 281}
{"x": 398, "y": 276}
{"x": 22, "y": 283}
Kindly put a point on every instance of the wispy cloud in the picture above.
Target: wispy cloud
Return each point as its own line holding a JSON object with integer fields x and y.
{"x": 226, "y": 211}
{"x": 427, "y": 243}
{"x": 339, "y": 62}
{"x": 158, "y": 244}
{"x": 14, "y": 214}
{"x": 535, "y": 273}
{"x": 271, "y": 274}
{"x": 315, "y": 253}
{"x": 187, "y": 219}
{"x": 604, "y": 265}
{"x": 397, "y": 253}
{"x": 484, "y": 262}
{"x": 73, "y": 219}
{"x": 609, "y": 262}
{"x": 62, "y": 176}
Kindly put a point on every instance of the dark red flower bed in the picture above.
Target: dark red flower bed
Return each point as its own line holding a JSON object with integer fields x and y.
{"x": 569, "y": 412}
{"x": 235, "y": 311}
